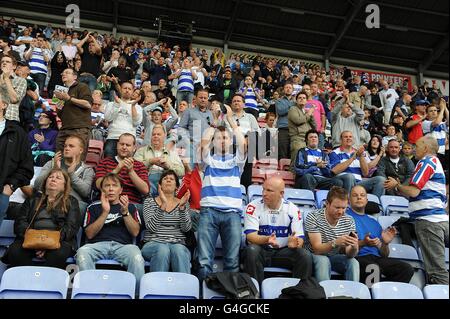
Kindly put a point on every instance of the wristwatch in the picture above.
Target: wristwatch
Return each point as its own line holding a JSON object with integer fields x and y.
{"x": 125, "y": 215}
{"x": 333, "y": 244}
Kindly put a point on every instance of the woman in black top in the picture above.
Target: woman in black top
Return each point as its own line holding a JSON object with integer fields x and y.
{"x": 57, "y": 210}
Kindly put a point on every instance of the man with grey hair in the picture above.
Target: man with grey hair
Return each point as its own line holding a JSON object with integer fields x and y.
{"x": 427, "y": 201}
{"x": 346, "y": 117}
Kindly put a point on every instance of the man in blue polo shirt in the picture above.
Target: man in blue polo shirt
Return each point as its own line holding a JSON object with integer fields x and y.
{"x": 374, "y": 242}
{"x": 350, "y": 165}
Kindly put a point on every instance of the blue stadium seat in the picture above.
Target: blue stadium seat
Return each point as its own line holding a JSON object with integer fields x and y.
{"x": 373, "y": 198}
{"x": 394, "y": 205}
{"x": 212, "y": 294}
{"x": 32, "y": 282}
{"x": 169, "y": 285}
{"x": 104, "y": 283}
{"x": 386, "y": 221}
{"x": 395, "y": 290}
{"x": 7, "y": 234}
{"x": 254, "y": 192}
{"x": 334, "y": 288}
{"x": 409, "y": 255}
{"x": 217, "y": 265}
{"x": 277, "y": 270}
{"x": 321, "y": 196}
{"x": 271, "y": 287}
{"x": 436, "y": 292}
{"x": 300, "y": 197}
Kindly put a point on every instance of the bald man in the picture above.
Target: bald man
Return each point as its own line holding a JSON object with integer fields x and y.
{"x": 427, "y": 202}
{"x": 274, "y": 230}
{"x": 374, "y": 243}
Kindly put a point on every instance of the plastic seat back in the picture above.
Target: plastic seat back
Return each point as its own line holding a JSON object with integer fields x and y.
{"x": 33, "y": 282}
{"x": 104, "y": 284}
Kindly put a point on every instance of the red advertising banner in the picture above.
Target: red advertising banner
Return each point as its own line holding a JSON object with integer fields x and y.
{"x": 375, "y": 76}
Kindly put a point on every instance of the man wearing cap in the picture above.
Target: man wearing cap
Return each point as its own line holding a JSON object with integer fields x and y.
{"x": 414, "y": 122}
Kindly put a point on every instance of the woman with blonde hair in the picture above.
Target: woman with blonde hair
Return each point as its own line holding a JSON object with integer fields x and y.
{"x": 53, "y": 208}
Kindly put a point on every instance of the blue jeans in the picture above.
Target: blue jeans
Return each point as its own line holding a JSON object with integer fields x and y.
{"x": 228, "y": 225}
{"x": 153, "y": 180}
{"x": 339, "y": 263}
{"x": 128, "y": 256}
{"x": 4, "y": 203}
{"x": 185, "y": 96}
{"x": 88, "y": 79}
{"x": 374, "y": 185}
{"x": 166, "y": 257}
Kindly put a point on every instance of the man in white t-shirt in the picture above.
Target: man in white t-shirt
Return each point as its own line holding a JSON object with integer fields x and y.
{"x": 391, "y": 97}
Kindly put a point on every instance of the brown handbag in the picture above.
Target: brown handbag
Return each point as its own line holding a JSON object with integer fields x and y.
{"x": 41, "y": 239}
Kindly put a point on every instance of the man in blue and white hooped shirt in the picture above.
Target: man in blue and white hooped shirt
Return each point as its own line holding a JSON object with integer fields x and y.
{"x": 186, "y": 77}
{"x": 350, "y": 165}
{"x": 427, "y": 202}
{"x": 251, "y": 95}
{"x": 221, "y": 202}
{"x": 436, "y": 125}
{"x": 39, "y": 56}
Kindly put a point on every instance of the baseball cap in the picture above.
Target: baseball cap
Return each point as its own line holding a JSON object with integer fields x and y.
{"x": 158, "y": 108}
{"x": 22, "y": 63}
{"x": 422, "y": 102}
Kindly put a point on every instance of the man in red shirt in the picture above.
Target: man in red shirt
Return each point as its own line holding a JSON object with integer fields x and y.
{"x": 414, "y": 122}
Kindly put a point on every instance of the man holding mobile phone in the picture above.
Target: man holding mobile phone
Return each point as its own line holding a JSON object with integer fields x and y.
{"x": 374, "y": 242}
{"x": 328, "y": 238}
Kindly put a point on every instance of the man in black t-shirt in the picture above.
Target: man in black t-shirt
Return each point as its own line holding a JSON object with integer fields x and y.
{"x": 91, "y": 57}
{"x": 110, "y": 226}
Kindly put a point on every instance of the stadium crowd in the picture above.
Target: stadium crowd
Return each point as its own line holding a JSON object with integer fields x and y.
{"x": 143, "y": 145}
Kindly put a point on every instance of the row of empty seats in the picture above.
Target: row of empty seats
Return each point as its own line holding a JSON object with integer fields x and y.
{"x": 31, "y": 282}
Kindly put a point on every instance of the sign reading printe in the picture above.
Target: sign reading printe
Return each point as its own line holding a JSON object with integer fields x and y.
{"x": 73, "y": 19}
{"x": 373, "y": 19}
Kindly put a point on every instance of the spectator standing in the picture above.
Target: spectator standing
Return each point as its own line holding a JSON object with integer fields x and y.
{"x": 15, "y": 158}
{"x": 221, "y": 205}
{"x": 427, "y": 202}
{"x": 74, "y": 111}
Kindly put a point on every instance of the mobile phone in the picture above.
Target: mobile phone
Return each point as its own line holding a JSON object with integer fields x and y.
{"x": 353, "y": 234}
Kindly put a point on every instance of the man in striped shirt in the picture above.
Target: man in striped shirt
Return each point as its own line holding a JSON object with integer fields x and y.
{"x": 221, "y": 202}
{"x": 350, "y": 165}
{"x": 133, "y": 174}
{"x": 437, "y": 126}
{"x": 427, "y": 202}
{"x": 186, "y": 77}
{"x": 312, "y": 166}
{"x": 331, "y": 236}
{"x": 39, "y": 57}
